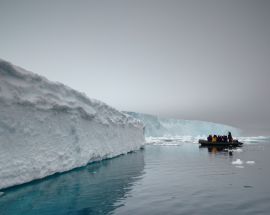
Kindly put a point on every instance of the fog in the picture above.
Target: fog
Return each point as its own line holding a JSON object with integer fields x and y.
{"x": 205, "y": 60}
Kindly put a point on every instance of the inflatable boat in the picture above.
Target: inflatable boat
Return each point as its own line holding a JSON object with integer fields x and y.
{"x": 235, "y": 143}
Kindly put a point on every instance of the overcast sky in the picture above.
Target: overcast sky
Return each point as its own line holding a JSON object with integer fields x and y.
{"x": 204, "y": 59}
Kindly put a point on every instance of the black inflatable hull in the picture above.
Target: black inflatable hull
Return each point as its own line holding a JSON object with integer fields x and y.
{"x": 221, "y": 144}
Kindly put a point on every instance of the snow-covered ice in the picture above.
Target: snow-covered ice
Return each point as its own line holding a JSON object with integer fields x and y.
{"x": 47, "y": 127}
{"x": 237, "y": 162}
{"x": 163, "y": 127}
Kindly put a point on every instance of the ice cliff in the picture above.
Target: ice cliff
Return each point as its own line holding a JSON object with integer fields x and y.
{"x": 163, "y": 127}
{"x": 47, "y": 127}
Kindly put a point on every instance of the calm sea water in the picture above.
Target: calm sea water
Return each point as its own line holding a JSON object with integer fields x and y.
{"x": 175, "y": 179}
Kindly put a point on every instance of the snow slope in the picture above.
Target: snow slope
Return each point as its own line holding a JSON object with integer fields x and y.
{"x": 47, "y": 127}
{"x": 162, "y": 127}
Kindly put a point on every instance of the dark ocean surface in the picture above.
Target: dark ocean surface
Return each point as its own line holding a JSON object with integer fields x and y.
{"x": 171, "y": 177}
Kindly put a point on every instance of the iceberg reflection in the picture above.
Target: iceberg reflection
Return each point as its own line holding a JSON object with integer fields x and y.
{"x": 94, "y": 189}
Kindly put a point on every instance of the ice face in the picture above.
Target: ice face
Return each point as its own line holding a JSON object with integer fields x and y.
{"x": 47, "y": 127}
{"x": 162, "y": 127}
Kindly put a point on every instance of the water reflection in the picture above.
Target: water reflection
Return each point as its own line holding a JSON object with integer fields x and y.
{"x": 218, "y": 150}
{"x": 94, "y": 189}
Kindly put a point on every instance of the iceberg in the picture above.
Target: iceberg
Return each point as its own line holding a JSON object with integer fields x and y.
{"x": 47, "y": 127}
{"x": 164, "y": 127}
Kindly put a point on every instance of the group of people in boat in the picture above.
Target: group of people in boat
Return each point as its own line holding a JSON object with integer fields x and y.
{"x": 218, "y": 138}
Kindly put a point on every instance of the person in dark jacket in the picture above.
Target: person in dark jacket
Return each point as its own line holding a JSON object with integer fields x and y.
{"x": 209, "y": 138}
{"x": 230, "y": 137}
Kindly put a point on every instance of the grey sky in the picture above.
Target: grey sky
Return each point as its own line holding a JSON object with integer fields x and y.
{"x": 206, "y": 60}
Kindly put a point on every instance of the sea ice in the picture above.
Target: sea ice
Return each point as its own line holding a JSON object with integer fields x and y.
{"x": 254, "y": 140}
{"x": 237, "y": 162}
{"x": 250, "y": 162}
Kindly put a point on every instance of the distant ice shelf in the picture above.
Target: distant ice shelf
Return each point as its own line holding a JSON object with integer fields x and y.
{"x": 165, "y": 127}
{"x": 47, "y": 127}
